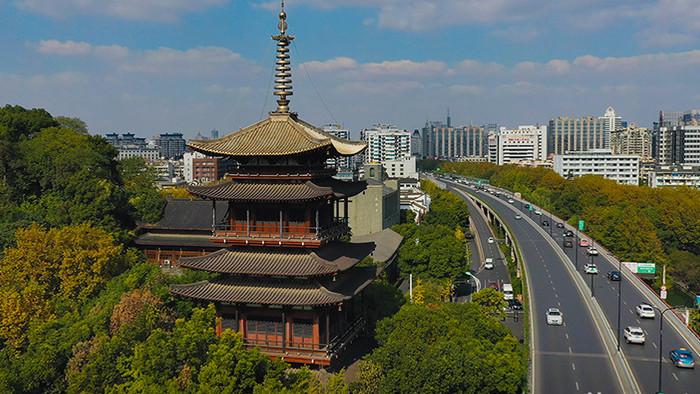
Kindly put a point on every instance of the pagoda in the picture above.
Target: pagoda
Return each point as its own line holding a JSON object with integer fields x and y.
{"x": 286, "y": 280}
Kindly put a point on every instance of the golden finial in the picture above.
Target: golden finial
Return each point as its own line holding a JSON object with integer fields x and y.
{"x": 283, "y": 76}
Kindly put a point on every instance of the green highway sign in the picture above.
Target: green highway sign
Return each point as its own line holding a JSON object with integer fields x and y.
{"x": 646, "y": 268}
{"x": 580, "y": 225}
{"x": 531, "y": 208}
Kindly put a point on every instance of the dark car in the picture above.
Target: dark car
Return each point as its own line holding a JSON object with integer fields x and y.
{"x": 545, "y": 223}
{"x": 515, "y": 304}
{"x": 569, "y": 233}
{"x": 527, "y": 206}
{"x": 560, "y": 225}
{"x": 614, "y": 275}
{"x": 568, "y": 244}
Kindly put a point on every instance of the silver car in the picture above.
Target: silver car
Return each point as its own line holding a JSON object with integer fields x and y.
{"x": 634, "y": 334}
{"x": 554, "y": 317}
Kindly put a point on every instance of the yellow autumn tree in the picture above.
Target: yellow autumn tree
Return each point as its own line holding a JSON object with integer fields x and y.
{"x": 66, "y": 264}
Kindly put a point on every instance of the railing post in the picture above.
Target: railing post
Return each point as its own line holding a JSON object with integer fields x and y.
{"x": 281, "y": 223}
{"x": 247, "y": 221}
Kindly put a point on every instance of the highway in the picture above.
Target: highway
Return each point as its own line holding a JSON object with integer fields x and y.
{"x": 573, "y": 358}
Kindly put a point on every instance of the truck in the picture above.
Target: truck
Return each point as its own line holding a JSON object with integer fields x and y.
{"x": 507, "y": 290}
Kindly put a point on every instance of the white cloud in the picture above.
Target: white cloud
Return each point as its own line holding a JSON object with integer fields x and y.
{"x": 55, "y": 47}
{"x": 112, "y": 51}
{"x": 148, "y": 10}
{"x": 332, "y": 65}
{"x": 201, "y": 61}
{"x": 465, "y": 90}
{"x": 380, "y": 89}
{"x": 63, "y": 79}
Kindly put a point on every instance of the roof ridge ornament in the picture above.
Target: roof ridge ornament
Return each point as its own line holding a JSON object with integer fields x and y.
{"x": 283, "y": 76}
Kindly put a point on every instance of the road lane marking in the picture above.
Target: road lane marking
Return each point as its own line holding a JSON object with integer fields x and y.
{"x": 577, "y": 389}
{"x": 655, "y": 347}
{"x": 567, "y": 336}
{"x": 573, "y": 366}
{"x": 570, "y": 349}
{"x": 674, "y": 375}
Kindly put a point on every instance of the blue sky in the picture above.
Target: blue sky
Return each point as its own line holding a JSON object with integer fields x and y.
{"x": 154, "y": 66}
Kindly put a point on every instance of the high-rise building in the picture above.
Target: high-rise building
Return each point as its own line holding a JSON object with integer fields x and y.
{"x": 679, "y": 145}
{"x": 582, "y": 134}
{"x": 452, "y": 143}
{"x": 340, "y": 163}
{"x": 171, "y": 145}
{"x": 526, "y": 144}
{"x": 417, "y": 144}
{"x": 386, "y": 142}
{"x": 427, "y": 134}
{"x": 632, "y": 140}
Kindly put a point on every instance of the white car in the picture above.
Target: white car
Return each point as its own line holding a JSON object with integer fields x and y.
{"x": 511, "y": 201}
{"x": 538, "y": 212}
{"x": 488, "y": 264}
{"x": 592, "y": 251}
{"x": 645, "y": 310}
{"x": 554, "y": 317}
{"x": 490, "y": 240}
{"x": 518, "y": 217}
{"x": 590, "y": 268}
{"x": 634, "y": 334}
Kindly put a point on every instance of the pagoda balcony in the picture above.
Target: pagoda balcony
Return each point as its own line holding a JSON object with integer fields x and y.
{"x": 305, "y": 351}
{"x": 276, "y": 234}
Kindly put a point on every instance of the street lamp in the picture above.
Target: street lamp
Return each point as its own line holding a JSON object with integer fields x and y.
{"x": 661, "y": 336}
{"x": 619, "y": 300}
{"x": 592, "y": 287}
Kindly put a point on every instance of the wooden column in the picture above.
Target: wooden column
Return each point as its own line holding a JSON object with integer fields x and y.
{"x": 247, "y": 221}
{"x": 281, "y": 224}
{"x": 284, "y": 331}
{"x": 317, "y": 235}
{"x": 328, "y": 326}
{"x": 213, "y": 217}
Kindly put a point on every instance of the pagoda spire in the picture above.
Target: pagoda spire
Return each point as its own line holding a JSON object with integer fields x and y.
{"x": 283, "y": 76}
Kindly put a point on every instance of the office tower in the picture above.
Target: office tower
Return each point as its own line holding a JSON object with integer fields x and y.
{"x": 582, "y": 134}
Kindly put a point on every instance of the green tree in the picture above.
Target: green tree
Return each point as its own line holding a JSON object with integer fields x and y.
{"x": 491, "y": 301}
{"x": 444, "y": 348}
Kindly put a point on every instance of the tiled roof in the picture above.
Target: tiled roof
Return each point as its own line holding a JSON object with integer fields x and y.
{"x": 388, "y": 242}
{"x": 166, "y": 239}
{"x": 333, "y": 258}
{"x": 279, "y": 135}
{"x": 188, "y": 214}
{"x": 278, "y": 291}
{"x": 257, "y": 191}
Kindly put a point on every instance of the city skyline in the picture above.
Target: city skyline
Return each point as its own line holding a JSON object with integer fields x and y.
{"x": 188, "y": 66}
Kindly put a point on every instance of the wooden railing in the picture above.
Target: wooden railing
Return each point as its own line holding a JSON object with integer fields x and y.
{"x": 273, "y": 230}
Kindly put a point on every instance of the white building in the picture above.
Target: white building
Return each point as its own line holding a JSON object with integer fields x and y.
{"x": 527, "y": 143}
{"x": 132, "y": 151}
{"x": 679, "y": 145}
{"x": 385, "y": 143}
{"x": 620, "y": 168}
{"x": 341, "y": 163}
{"x": 404, "y": 168}
{"x": 669, "y": 176}
{"x": 414, "y": 198}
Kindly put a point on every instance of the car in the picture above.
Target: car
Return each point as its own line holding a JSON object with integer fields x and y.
{"x": 518, "y": 217}
{"x": 545, "y": 223}
{"x": 568, "y": 244}
{"x": 511, "y": 201}
{"x": 537, "y": 212}
{"x": 584, "y": 243}
{"x": 590, "y": 268}
{"x": 554, "y": 317}
{"x": 488, "y": 264}
{"x": 560, "y": 225}
{"x": 645, "y": 311}
{"x": 568, "y": 233}
{"x": 682, "y": 358}
{"x": 515, "y": 304}
{"x": 490, "y": 240}
{"x": 614, "y": 275}
{"x": 634, "y": 334}
{"x": 493, "y": 285}
{"x": 527, "y": 206}
{"x": 592, "y": 251}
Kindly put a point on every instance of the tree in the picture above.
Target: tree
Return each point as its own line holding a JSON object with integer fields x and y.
{"x": 139, "y": 181}
{"x": 444, "y": 348}
{"x": 48, "y": 267}
{"x": 491, "y": 301}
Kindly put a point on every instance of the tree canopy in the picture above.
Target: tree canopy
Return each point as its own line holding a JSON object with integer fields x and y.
{"x": 445, "y": 348}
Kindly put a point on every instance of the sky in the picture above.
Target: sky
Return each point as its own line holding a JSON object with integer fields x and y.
{"x": 189, "y": 66}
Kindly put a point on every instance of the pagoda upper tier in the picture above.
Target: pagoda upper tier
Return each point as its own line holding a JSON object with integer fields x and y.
{"x": 281, "y": 134}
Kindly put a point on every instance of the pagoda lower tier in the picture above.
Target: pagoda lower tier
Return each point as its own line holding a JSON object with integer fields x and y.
{"x": 304, "y": 320}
